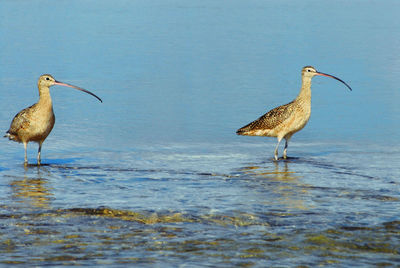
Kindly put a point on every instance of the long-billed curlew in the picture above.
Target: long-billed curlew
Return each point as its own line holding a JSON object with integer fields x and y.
{"x": 36, "y": 122}
{"x": 283, "y": 121}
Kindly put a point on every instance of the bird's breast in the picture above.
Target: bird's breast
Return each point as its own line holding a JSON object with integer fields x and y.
{"x": 41, "y": 122}
{"x": 295, "y": 122}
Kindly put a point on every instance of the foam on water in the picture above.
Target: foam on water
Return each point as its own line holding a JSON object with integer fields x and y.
{"x": 182, "y": 202}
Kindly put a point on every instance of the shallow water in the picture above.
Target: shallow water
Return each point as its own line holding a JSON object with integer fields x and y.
{"x": 155, "y": 175}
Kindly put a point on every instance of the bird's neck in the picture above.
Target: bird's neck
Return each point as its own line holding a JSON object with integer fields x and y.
{"x": 44, "y": 96}
{"x": 305, "y": 91}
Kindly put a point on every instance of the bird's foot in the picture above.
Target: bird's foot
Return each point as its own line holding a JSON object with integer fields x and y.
{"x": 284, "y": 154}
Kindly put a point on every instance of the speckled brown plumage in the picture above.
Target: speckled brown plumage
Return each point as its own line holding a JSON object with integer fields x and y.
{"x": 19, "y": 122}
{"x": 283, "y": 121}
{"x": 267, "y": 121}
{"x": 23, "y": 123}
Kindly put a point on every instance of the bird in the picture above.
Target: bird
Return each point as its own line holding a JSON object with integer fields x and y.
{"x": 285, "y": 120}
{"x": 36, "y": 122}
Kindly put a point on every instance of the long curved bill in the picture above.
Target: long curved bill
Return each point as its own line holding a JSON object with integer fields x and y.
{"x": 78, "y": 88}
{"x": 334, "y": 77}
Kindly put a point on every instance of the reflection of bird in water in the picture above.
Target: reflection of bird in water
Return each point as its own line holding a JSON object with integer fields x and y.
{"x": 33, "y": 191}
{"x": 286, "y": 184}
{"x": 283, "y": 121}
{"x": 36, "y": 122}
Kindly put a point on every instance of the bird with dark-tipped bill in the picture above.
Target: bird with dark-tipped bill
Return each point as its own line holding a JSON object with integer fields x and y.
{"x": 283, "y": 121}
{"x": 36, "y": 122}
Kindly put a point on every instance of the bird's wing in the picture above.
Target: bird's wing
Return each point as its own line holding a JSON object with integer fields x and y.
{"x": 269, "y": 120}
{"x": 20, "y": 121}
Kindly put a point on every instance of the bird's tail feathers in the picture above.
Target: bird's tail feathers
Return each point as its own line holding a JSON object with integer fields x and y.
{"x": 243, "y": 131}
{"x": 10, "y": 136}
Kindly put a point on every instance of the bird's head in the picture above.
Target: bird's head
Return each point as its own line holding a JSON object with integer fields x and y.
{"x": 46, "y": 81}
{"x": 309, "y": 72}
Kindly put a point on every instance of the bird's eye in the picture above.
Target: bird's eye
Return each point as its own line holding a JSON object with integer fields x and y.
{"x": 308, "y": 70}
{"x": 47, "y": 78}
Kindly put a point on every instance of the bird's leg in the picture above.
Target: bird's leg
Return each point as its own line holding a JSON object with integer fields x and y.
{"x": 26, "y": 156}
{"x": 39, "y": 150}
{"x": 285, "y": 150}
{"x": 286, "y": 145}
{"x": 276, "y": 149}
